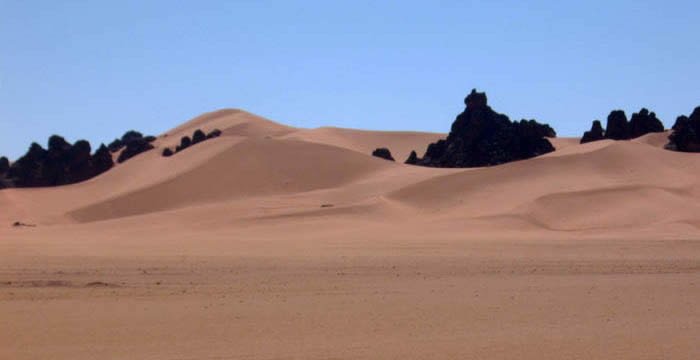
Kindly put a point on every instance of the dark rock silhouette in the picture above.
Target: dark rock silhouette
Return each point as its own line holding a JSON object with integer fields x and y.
{"x": 412, "y": 158}
{"x": 198, "y": 136}
{"x": 167, "y": 152}
{"x": 383, "y": 153}
{"x": 131, "y": 135}
{"x": 644, "y": 122}
{"x": 594, "y": 134}
{"x": 685, "y": 136}
{"x": 185, "y": 142}
{"x": 102, "y": 160}
{"x": 133, "y": 148}
{"x": 214, "y": 133}
{"x": 617, "y": 127}
{"x": 61, "y": 164}
{"x": 4, "y": 165}
{"x": 115, "y": 145}
{"x": 482, "y": 137}
{"x": 80, "y": 167}
{"x": 27, "y": 170}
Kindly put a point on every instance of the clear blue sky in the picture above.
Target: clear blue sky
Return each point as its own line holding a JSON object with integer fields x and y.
{"x": 94, "y": 69}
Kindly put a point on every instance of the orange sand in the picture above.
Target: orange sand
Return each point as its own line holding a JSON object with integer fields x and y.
{"x": 224, "y": 251}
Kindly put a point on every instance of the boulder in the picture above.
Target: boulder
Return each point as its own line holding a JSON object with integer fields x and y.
{"x": 167, "y": 152}
{"x": 594, "y": 134}
{"x": 214, "y": 133}
{"x": 412, "y": 158}
{"x": 617, "y": 127}
{"x": 198, "y": 136}
{"x": 185, "y": 142}
{"x": 383, "y": 153}
{"x": 686, "y": 133}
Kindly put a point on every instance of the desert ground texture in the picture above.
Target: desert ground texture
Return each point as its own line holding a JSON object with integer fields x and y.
{"x": 274, "y": 242}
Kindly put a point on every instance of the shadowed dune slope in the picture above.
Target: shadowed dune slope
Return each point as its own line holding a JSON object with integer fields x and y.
{"x": 400, "y": 143}
{"x": 621, "y": 184}
{"x": 253, "y": 167}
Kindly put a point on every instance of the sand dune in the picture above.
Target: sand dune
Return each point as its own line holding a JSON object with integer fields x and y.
{"x": 273, "y": 242}
{"x": 400, "y": 143}
{"x": 252, "y": 167}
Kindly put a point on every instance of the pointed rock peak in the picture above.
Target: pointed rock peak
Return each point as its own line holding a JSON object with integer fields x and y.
{"x": 476, "y": 100}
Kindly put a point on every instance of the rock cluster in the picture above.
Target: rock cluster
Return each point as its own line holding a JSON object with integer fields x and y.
{"x": 383, "y": 153}
{"x": 60, "y": 164}
{"x": 482, "y": 137}
{"x": 618, "y": 128}
{"x": 686, "y": 133}
{"x": 185, "y": 142}
{"x": 133, "y": 143}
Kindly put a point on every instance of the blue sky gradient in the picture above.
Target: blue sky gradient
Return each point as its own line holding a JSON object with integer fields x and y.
{"x": 94, "y": 69}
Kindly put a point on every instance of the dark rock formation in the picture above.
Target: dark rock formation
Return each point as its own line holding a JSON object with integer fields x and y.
{"x": 185, "y": 142}
{"x": 482, "y": 137}
{"x": 198, "y": 136}
{"x": 167, "y": 152}
{"x": 214, "y": 133}
{"x": 383, "y": 153}
{"x": 79, "y": 163}
{"x": 102, "y": 160}
{"x": 412, "y": 158}
{"x": 686, "y": 133}
{"x": 617, "y": 127}
{"x": 61, "y": 164}
{"x": 115, "y": 145}
{"x": 594, "y": 134}
{"x": 27, "y": 170}
{"x": 131, "y": 135}
{"x": 4, "y": 165}
{"x": 133, "y": 148}
{"x": 644, "y": 122}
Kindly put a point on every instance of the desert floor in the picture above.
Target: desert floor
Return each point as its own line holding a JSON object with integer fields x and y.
{"x": 273, "y": 242}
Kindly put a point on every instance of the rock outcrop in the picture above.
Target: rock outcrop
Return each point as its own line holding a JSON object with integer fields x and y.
{"x": 185, "y": 142}
{"x": 412, "y": 158}
{"x": 4, "y": 165}
{"x": 644, "y": 122}
{"x": 686, "y": 133}
{"x": 135, "y": 147}
{"x": 61, "y": 164}
{"x": 197, "y": 137}
{"x": 214, "y": 133}
{"x": 594, "y": 134}
{"x": 167, "y": 152}
{"x": 383, "y": 153}
{"x": 482, "y": 137}
{"x": 618, "y": 128}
